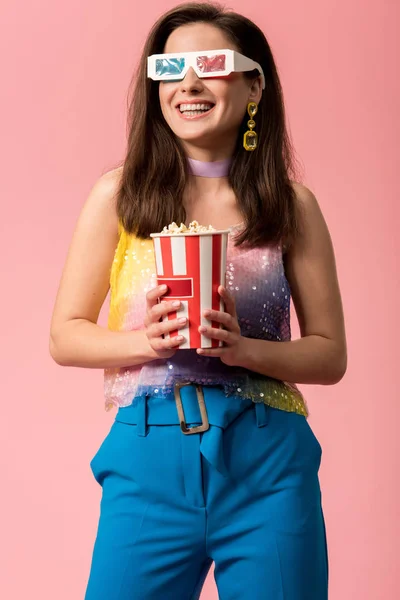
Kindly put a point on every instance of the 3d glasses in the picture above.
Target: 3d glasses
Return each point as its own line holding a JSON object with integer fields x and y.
{"x": 205, "y": 63}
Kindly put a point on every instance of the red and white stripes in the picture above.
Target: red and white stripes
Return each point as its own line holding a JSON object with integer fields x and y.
{"x": 192, "y": 266}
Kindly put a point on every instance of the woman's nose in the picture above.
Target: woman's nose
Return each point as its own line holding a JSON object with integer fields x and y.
{"x": 191, "y": 82}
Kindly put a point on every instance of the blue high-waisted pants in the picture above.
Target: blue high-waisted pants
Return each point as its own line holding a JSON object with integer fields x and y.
{"x": 244, "y": 494}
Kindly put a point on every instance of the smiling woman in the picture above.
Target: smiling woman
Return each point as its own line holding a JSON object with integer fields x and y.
{"x": 220, "y": 86}
{"x": 211, "y": 457}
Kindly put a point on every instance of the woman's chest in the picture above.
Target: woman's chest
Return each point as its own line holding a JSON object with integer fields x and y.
{"x": 216, "y": 219}
{"x": 221, "y": 210}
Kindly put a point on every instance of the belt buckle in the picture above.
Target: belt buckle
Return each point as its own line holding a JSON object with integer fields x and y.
{"x": 203, "y": 411}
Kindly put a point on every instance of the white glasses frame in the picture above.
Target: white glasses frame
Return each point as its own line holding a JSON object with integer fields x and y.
{"x": 234, "y": 61}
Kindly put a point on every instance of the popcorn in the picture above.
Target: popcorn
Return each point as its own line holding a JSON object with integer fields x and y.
{"x": 194, "y": 227}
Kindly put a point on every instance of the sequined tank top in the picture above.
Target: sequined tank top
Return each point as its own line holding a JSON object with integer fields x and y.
{"x": 256, "y": 279}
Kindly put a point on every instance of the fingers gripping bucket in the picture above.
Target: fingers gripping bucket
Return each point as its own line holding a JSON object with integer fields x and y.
{"x": 192, "y": 265}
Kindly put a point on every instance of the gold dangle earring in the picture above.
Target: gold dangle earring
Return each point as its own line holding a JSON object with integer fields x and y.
{"x": 250, "y": 137}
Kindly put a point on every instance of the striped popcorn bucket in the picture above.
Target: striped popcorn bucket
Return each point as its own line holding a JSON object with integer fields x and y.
{"x": 192, "y": 265}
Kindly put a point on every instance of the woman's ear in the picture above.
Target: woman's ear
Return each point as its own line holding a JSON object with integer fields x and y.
{"x": 256, "y": 90}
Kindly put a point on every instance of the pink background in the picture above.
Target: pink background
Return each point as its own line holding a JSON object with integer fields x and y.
{"x": 65, "y": 71}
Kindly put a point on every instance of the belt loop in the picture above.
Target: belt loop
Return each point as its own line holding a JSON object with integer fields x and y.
{"x": 141, "y": 410}
{"x": 262, "y": 414}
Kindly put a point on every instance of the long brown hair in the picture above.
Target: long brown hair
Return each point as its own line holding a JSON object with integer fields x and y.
{"x": 154, "y": 172}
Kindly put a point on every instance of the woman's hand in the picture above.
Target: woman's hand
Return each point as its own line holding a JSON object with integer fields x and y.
{"x": 235, "y": 344}
{"x": 163, "y": 348}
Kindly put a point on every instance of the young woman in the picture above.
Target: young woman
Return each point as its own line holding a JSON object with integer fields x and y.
{"x": 234, "y": 482}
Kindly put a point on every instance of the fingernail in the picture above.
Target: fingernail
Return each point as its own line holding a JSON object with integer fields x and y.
{"x": 207, "y": 313}
{"x": 182, "y": 320}
{"x": 176, "y": 303}
{"x": 202, "y": 328}
{"x": 163, "y": 287}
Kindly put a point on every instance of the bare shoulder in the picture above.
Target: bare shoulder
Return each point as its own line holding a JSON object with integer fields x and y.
{"x": 100, "y": 205}
{"x": 106, "y": 186}
{"x": 113, "y": 175}
{"x": 314, "y": 244}
{"x": 314, "y": 226}
{"x": 306, "y": 199}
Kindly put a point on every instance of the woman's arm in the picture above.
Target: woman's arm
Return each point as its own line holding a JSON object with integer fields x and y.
{"x": 320, "y": 356}
{"x": 75, "y": 338}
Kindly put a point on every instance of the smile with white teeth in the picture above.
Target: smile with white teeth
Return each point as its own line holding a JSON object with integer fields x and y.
{"x": 191, "y": 110}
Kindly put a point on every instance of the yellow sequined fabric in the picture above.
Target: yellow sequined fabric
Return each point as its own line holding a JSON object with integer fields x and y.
{"x": 256, "y": 279}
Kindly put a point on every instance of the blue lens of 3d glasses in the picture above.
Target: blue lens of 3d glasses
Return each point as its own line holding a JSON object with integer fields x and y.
{"x": 169, "y": 66}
